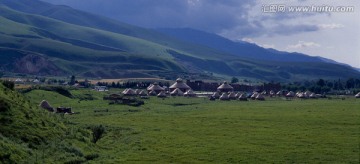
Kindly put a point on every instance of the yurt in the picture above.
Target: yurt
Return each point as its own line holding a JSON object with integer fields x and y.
{"x": 129, "y": 92}
{"x": 224, "y": 96}
{"x": 161, "y": 94}
{"x": 243, "y": 97}
{"x": 254, "y": 95}
{"x": 301, "y": 95}
{"x": 260, "y": 97}
{"x": 137, "y": 91}
{"x": 272, "y": 93}
{"x": 263, "y": 93}
{"x": 225, "y": 87}
{"x": 142, "y": 93}
{"x": 357, "y": 95}
{"x": 124, "y": 91}
{"x": 190, "y": 93}
{"x": 216, "y": 95}
{"x": 313, "y": 96}
{"x": 307, "y": 93}
{"x": 152, "y": 93}
{"x": 177, "y": 92}
{"x": 237, "y": 95}
{"x": 156, "y": 88}
{"x": 44, "y": 104}
{"x": 232, "y": 96}
{"x": 290, "y": 94}
{"x": 179, "y": 84}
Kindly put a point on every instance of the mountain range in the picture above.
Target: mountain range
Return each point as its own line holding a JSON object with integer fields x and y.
{"x": 39, "y": 38}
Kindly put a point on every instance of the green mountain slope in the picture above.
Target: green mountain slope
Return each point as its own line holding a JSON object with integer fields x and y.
{"x": 58, "y": 40}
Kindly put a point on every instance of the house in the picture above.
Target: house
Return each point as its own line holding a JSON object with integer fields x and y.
{"x": 101, "y": 88}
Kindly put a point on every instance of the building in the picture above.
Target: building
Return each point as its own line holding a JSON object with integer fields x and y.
{"x": 179, "y": 84}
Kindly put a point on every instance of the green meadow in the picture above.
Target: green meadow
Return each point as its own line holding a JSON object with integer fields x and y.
{"x": 196, "y": 130}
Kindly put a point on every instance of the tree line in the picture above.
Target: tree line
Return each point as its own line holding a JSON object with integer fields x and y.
{"x": 339, "y": 86}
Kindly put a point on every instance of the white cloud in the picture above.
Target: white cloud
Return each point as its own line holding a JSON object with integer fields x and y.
{"x": 331, "y": 26}
{"x": 250, "y": 40}
{"x": 303, "y": 44}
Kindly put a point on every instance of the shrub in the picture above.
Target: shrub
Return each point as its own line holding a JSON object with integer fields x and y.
{"x": 97, "y": 133}
{"x": 9, "y": 84}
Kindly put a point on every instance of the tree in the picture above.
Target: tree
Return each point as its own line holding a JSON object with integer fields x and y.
{"x": 234, "y": 80}
{"x": 72, "y": 80}
{"x": 321, "y": 83}
{"x": 350, "y": 83}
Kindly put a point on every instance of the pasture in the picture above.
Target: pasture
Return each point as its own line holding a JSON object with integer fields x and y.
{"x": 196, "y": 130}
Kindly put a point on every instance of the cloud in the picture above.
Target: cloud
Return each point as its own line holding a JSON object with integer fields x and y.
{"x": 207, "y": 15}
{"x": 231, "y": 18}
{"x": 303, "y": 44}
{"x": 331, "y": 26}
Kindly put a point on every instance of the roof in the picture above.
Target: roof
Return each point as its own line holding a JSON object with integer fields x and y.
{"x": 129, "y": 92}
{"x": 225, "y": 85}
{"x": 232, "y": 95}
{"x": 224, "y": 96}
{"x": 260, "y": 97}
{"x": 155, "y": 87}
{"x": 290, "y": 94}
{"x": 179, "y": 84}
{"x": 243, "y": 96}
{"x": 162, "y": 94}
{"x": 190, "y": 92}
{"x": 177, "y": 92}
{"x": 142, "y": 93}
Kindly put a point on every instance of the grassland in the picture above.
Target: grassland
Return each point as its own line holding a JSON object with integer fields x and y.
{"x": 196, "y": 130}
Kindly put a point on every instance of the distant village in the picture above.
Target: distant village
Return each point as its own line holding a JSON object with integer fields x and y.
{"x": 213, "y": 90}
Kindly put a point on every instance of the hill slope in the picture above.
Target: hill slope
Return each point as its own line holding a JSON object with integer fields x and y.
{"x": 59, "y": 40}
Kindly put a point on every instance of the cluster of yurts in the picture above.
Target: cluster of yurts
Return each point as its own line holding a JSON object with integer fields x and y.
{"x": 224, "y": 92}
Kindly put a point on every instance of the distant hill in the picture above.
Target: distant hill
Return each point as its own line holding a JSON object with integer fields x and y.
{"x": 58, "y": 40}
{"x": 240, "y": 48}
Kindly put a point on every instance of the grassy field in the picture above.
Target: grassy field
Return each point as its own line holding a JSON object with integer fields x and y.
{"x": 196, "y": 130}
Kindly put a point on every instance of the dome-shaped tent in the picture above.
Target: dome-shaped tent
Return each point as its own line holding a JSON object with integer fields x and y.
{"x": 129, "y": 92}
{"x": 216, "y": 95}
{"x": 260, "y": 97}
{"x": 254, "y": 95}
{"x": 232, "y": 96}
{"x": 142, "y": 93}
{"x": 290, "y": 94}
{"x": 225, "y": 87}
{"x": 161, "y": 94}
{"x": 243, "y": 97}
{"x": 357, "y": 95}
{"x": 224, "y": 96}
{"x": 190, "y": 93}
{"x": 177, "y": 92}
{"x": 156, "y": 88}
{"x": 179, "y": 84}
{"x": 153, "y": 93}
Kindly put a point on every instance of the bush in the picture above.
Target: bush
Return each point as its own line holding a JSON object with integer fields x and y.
{"x": 97, "y": 133}
{"x": 9, "y": 84}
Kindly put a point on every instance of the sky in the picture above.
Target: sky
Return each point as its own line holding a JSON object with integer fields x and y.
{"x": 326, "y": 28}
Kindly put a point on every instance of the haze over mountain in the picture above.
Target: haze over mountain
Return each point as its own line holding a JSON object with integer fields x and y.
{"x": 44, "y": 39}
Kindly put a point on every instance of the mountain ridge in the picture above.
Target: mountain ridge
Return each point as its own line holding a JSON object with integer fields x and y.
{"x": 98, "y": 50}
